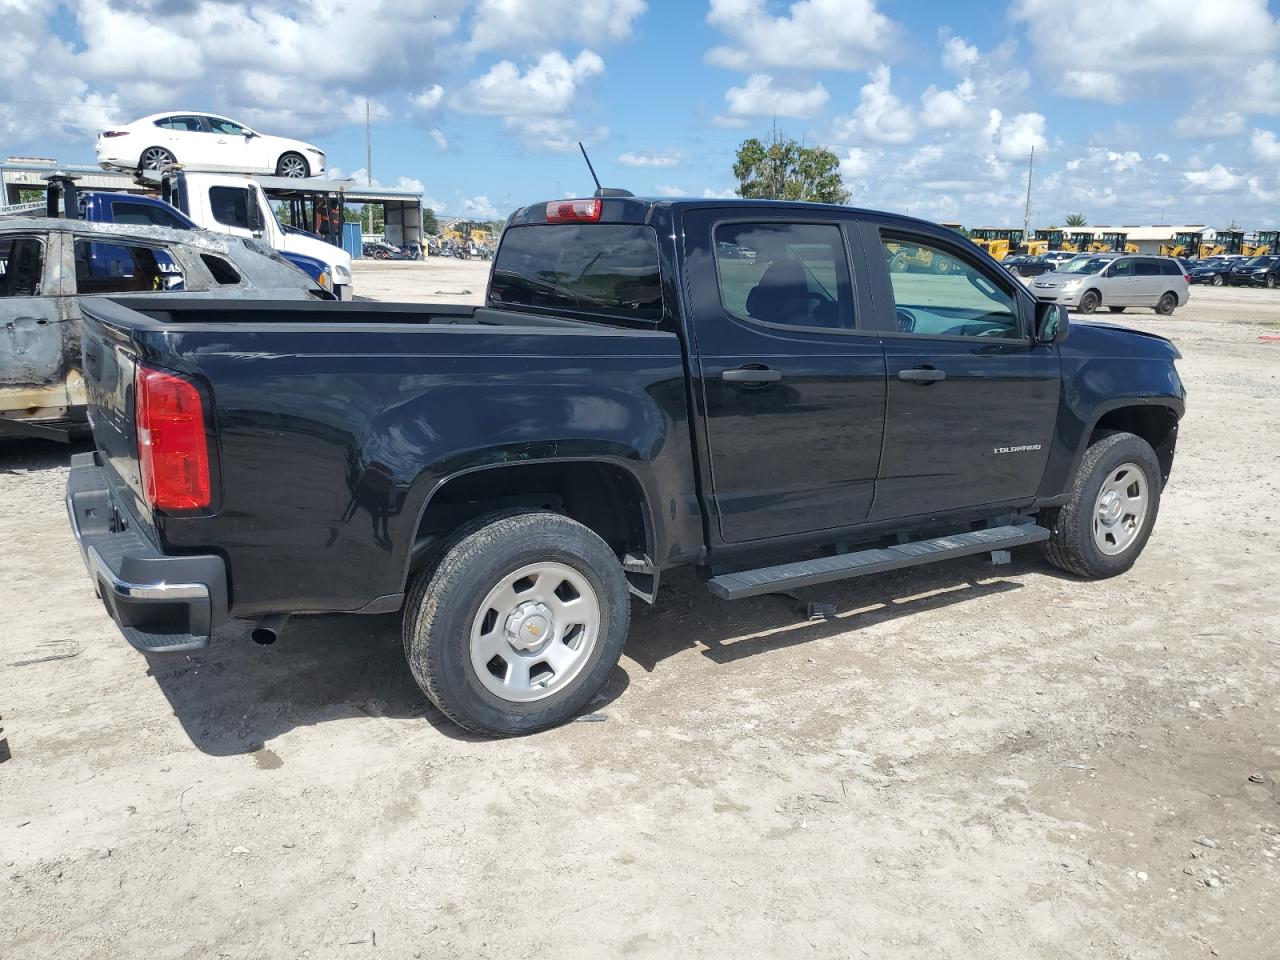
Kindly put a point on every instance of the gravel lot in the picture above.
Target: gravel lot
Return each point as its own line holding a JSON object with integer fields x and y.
{"x": 969, "y": 762}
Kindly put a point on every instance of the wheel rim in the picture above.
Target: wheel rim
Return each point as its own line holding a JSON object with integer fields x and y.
{"x": 1089, "y": 303}
{"x": 535, "y": 631}
{"x": 1120, "y": 509}
{"x": 293, "y": 167}
{"x": 1218, "y": 281}
{"x": 153, "y": 158}
{"x": 1166, "y": 303}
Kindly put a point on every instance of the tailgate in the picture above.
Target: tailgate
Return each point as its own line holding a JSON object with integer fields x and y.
{"x": 110, "y": 359}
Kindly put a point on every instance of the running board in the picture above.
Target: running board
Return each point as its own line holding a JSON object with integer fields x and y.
{"x": 805, "y": 573}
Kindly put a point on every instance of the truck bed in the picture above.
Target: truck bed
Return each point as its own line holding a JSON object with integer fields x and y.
{"x": 330, "y": 425}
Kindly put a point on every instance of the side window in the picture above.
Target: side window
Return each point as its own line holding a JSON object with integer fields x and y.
{"x": 795, "y": 274}
{"x": 230, "y": 206}
{"x": 1121, "y": 268}
{"x": 21, "y": 266}
{"x": 223, "y": 272}
{"x": 1147, "y": 268}
{"x": 124, "y": 268}
{"x": 1169, "y": 268}
{"x": 144, "y": 214}
{"x": 165, "y": 123}
{"x": 220, "y": 125}
{"x": 938, "y": 294}
{"x": 187, "y": 124}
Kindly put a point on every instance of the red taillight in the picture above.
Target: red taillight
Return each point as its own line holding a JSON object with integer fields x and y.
{"x": 114, "y": 133}
{"x": 1186, "y": 277}
{"x": 574, "y": 211}
{"x": 173, "y": 451}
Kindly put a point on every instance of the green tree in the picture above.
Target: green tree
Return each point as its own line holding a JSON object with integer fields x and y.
{"x": 1077, "y": 220}
{"x": 787, "y": 170}
{"x": 430, "y": 225}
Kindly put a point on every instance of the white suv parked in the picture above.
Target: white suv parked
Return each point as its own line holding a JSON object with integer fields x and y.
{"x": 1116, "y": 281}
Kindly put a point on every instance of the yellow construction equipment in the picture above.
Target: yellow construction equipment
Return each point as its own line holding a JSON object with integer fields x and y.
{"x": 1131, "y": 248}
{"x": 909, "y": 258}
{"x": 1034, "y": 248}
{"x": 1254, "y": 249}
{"x": 1080, "y": 241}
{"x": 997, "y": 241}
{"x": 1264, "y": 241}
{"x": 1116, "y": 241}
{"x": 1183, "y": 243}
{"x": 1055, "y": 238}
{"x": 1208, "y": 250}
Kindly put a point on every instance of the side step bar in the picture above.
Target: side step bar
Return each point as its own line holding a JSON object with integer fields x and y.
{"x": 805, "y": 573}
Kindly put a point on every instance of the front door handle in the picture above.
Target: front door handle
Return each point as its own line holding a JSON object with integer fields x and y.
{"x": 922, "y": 375}
{"x": 751, "y": 375}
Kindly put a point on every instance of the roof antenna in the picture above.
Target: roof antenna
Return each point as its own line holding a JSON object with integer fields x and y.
{"x": 602, "y": 191}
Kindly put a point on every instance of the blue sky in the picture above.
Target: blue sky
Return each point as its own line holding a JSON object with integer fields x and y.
{"x": 932, "y": 107}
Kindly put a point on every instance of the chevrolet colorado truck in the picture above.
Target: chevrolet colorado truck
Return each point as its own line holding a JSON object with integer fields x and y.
{"x": 770, "y": 392}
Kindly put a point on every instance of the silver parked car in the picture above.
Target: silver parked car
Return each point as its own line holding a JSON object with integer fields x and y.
{"x": 1116, "y": 281}
{"x": 47, "y": 265}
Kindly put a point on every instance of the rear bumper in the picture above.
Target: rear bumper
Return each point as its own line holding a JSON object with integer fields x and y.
{"x": 162, "y": 604}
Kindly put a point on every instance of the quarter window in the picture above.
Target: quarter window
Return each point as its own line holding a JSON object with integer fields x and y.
{"x": 124, "y": 268}
{"x": 21, "y": 266}
{"x": 186, "y": 124}
{"x": 938, "y": 294}
{"x": 796, "y": 274}
{"x": 144, "y": 214}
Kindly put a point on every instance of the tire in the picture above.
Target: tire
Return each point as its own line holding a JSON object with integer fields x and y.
{"x": 1090, "y": 300}
{"x": 1270, "y": 282}
{"x": 153, "y": 158}
{"x": 1116, "y": 309}
{"x": 1074, "y": 543}
{"x": 293, "y": 165}
{"x": 445, "y": 627}
{"x": 1218, "y": 281}
{"x": 1167, "y": 304}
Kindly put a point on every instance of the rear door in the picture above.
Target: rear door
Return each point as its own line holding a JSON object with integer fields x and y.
{"x": 971, "y": 399}
{"x": 1151, "y": 284}
{"x": 790, "y": 375}
{"x": 38, "y": 343}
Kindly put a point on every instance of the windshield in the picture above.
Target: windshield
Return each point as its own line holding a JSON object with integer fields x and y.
{"x": 1262, "y": 261}
{"x": 1085, "y": 265}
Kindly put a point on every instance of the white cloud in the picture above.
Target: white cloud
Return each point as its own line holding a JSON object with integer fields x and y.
{"x": 958, "y": 55}
{"x": 946, "y": 108}
{"x": 1016, "y": 137}
{"x": 1162, "y": 157}
{"x": 428, "y": 99}
{"x": 1207, "y": 121}
{"x": 479, "y": 208}
{"x": 709, "y": 194}
{"x": 758, "y": 97}
{"x": 440, "y": 139}
{"x": 856, "y": 162}
{"x": 360, "y": 177}
{"x": 540, "y": 24}
{"x": 1264, "y": 145}
{"x": 551, "y": 134}
{"x": 547, "y": 87}
{"x": 1128, "y": 160}
{"x": 813, "y": 35}
{"x": 667, "y": 190}
{"x": 1139, "y": 47}
{"x": 652, "y": 159}
{"x": 880, "y": 115}
{"x": 1217, "y": 179}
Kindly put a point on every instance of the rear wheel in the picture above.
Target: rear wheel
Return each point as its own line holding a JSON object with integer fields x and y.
{"x": 1166, "y": 304}
{"x": 153, "y": 158}
{"x": 293, "y": 165}
{"x": 1217, "y": 280}
{"x": 1090, "y": 301}
{"x": 1110, "y": 511}
{"x": 1271, "y": 282}
{"x": 520, "y": 623}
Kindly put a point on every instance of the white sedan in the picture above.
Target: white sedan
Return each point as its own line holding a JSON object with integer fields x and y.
{"x": 205, "y": 141}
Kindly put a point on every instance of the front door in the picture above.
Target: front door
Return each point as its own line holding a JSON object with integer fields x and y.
{"x": 39, "y": 336}
{"x": 790, "y": 375}
{"x": 972, "y": 400}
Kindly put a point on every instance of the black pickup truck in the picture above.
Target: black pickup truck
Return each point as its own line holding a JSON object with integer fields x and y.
{"x": 752, "y": 388}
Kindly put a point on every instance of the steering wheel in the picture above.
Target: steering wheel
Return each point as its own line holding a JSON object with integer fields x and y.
{"x": 906, "y": 320}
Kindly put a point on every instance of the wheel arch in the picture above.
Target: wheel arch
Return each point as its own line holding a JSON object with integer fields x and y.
{"x": 1153, "y": 419}
{"x": 603, "y": 495}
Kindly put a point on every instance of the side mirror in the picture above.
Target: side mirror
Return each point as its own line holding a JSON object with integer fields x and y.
{"x": 254, "y": 212}
{"x": 1052, "y": 322}
{"x": 249, "y": 134}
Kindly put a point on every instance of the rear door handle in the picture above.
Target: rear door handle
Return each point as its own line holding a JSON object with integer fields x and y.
{"x": 922, "y": 375}
{"x": 751, "y": 375}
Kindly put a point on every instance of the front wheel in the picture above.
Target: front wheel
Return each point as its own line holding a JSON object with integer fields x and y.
{"x": 520, "y": 623}
{"x": 1110, "y": 510}
{"x": 1090, "y": 301}
{"x": 293, "y": 165}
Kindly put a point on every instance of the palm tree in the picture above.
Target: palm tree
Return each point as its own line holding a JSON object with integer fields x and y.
{"x": 1077, "y": 220}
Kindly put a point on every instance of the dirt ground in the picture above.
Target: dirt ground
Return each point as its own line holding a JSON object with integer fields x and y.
{"x": 971, "y": 761}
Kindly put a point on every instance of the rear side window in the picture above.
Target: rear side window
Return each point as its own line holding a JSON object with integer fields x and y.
{"x": 124, "y": 268}
{"x": 606, "y": 269}
{"x": 1147, "y": 268}
{"x": 795, "y": 274}
{"x": 1169, "y": 268}
{"x": 21, "y": 266}
{"x": 223, "y": 272}
{"x": 144, "y": 214}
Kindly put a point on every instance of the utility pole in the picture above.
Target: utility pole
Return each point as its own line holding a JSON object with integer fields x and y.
{"x": 1026, "y": 214}
{"x": 368, "y": 157}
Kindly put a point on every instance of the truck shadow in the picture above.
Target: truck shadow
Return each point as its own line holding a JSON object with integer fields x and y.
{"x": 34, "y": 456}
{"x": 238, "y": 696}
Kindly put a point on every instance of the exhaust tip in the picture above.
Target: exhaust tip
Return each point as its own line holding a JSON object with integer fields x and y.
{"x": 268, "y": 629}
{"x": 263, "y": 636}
